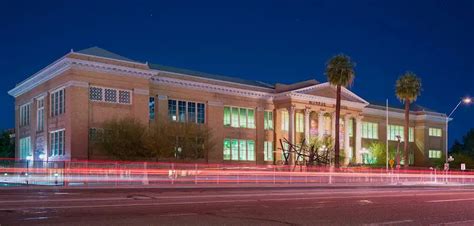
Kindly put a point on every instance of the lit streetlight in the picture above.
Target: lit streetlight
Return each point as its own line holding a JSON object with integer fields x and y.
{"x": 465, "y": 100}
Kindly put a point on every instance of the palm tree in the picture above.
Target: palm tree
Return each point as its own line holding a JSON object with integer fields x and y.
{"x": 340, "y": 73}
{"x": 407, "y": 89}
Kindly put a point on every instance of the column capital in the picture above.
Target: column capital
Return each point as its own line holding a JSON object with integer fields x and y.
{"x": 307, "y": 111}
{"x": 291, "y": 108}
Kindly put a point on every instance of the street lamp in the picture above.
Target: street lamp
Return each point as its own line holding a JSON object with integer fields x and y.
{"x": 465, "y": 100}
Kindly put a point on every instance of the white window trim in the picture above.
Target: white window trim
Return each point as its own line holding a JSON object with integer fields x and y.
{"x": 50, "y": 143}
{"x": 28, "y": 120}
{"x": 37, "y": 114}
{"x": 238, "y": 117}
{"x": 110, "y": 102}
{"x": 186, "y": 113}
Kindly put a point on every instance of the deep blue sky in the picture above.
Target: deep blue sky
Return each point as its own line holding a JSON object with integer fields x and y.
{"x": 273, "y": 41}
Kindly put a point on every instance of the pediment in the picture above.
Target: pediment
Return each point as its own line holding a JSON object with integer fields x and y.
{"x": 329, "y": 91}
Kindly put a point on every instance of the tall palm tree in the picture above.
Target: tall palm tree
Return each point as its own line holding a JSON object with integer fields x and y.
{"x": 340, "y": 73}
{"x": 407, "y": 89}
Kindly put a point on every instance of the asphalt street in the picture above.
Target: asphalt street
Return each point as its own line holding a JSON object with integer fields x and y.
{"x": 239, "y": 206}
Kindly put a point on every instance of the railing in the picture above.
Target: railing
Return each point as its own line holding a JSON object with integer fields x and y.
{"x": 108, "y": 173}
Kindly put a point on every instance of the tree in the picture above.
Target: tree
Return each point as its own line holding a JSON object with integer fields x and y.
{"x": 407, "y": 90}
{"x": 7, "y": 146}
{"x": 183, "y": 140}
{"x": 340, "y": 73}
{"x": 463, "y": 152}
{"x": 123, "y": 139}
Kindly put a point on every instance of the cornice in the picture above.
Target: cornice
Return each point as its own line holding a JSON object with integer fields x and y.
{"x": 211, "y": 88}
{"x": 65, "y": 63}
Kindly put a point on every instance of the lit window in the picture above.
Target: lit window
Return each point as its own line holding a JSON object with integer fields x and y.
{"x": 268, "y": 120}
{"x": 227, "y": 149}
{"x": 40, "y": 115}
{"x": 25, "y": 114}
{"x": 25, "y": 148}
{"x": 251, "y": 150}
{"x": 243, "y": 117}
{"x": 56, "y": 143}
{"x": 268, "y": 151}
{"x": 434, "y": 132}
{"x": 370, "y": 130}
{"x": 242, "y": 150}
{"x": 191, "y": 112}
{"x": 299, "y": 123}
{"x": 434, "y": 154}
{"x": 235, "y": 117}
{"x": 58, "y": 102}
{"x": 411, "y": 134}
{"x": 251, "y": 118}
{"x": 239, "y": 117}
{"x": 235, "y": 149}
{"x": 394, "y": 130}
{"x": 285, "y": 119}
{"x": 227, "y": 116}
{"x": 350, "y": 127}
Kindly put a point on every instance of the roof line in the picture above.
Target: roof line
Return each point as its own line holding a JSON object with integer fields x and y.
{"x": 108, "y": 58}
{"x": 210, "y": 79}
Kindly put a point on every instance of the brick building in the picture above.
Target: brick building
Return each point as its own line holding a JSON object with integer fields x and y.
{"x": 56, "y": 108}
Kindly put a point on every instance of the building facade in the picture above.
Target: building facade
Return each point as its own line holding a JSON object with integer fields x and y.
{"x": 58, "y": 107}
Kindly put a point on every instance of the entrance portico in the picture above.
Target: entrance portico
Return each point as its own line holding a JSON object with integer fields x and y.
{"x": 318, "y": 117}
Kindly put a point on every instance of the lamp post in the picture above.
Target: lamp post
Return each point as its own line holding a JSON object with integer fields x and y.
{"x": 465, "y": 100}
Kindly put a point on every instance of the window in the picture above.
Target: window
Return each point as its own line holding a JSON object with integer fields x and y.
{"x": 151, "y": 108}
{"x": 299, "y": 123}
{"x": 124, "y": 97}
{"x": 58, "y": 102}
{"x": 110, "y": 95}
{"x": 394, "y": 130}
{"x": 251, "y": 118}
{"x": 56, "y": 143}
{"x": 434, "y": 154}
{"x": 25, "y": 114}
{"x": 227, "y": 116}
{"x": 268, "y": 151}
{"x": 370, "y": 130}
{"x": 186, "y": 111}
{"x": 40, "y": 115}
{"x": 239, "y": 117}
{"x": 181, "y": 111}
{"x": 227, "y": 149}
{"x": 243, "y": 117}
{"x": 268, "y": 120}
{"x": 25, "y": 148}
{"x": 350, "y": 126}
{"x": 191, "y": 111}
{"x": 242, "y": 150}
{"x": 172, "y": 110}
{"x": 95, "y": 93}
{"x": 434, "y": 132}
{"x": 285, "y": 119}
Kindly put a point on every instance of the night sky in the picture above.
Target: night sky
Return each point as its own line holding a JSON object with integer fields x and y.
{"x": 272, "y": 41}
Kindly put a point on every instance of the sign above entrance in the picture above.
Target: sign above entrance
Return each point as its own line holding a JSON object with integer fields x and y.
{"x": 317, "y": 103}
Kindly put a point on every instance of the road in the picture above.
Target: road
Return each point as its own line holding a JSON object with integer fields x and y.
{"x": 239, "y": 206}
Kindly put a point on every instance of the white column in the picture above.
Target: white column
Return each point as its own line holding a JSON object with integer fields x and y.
{"x": 321, "y": 124}
{"x": 347, "y": 153}
{"x": 306, "y": 125}
{"x": 291, "y": 131}
{"x": 358, "y": 141}
{"x": 333, "y": 125}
